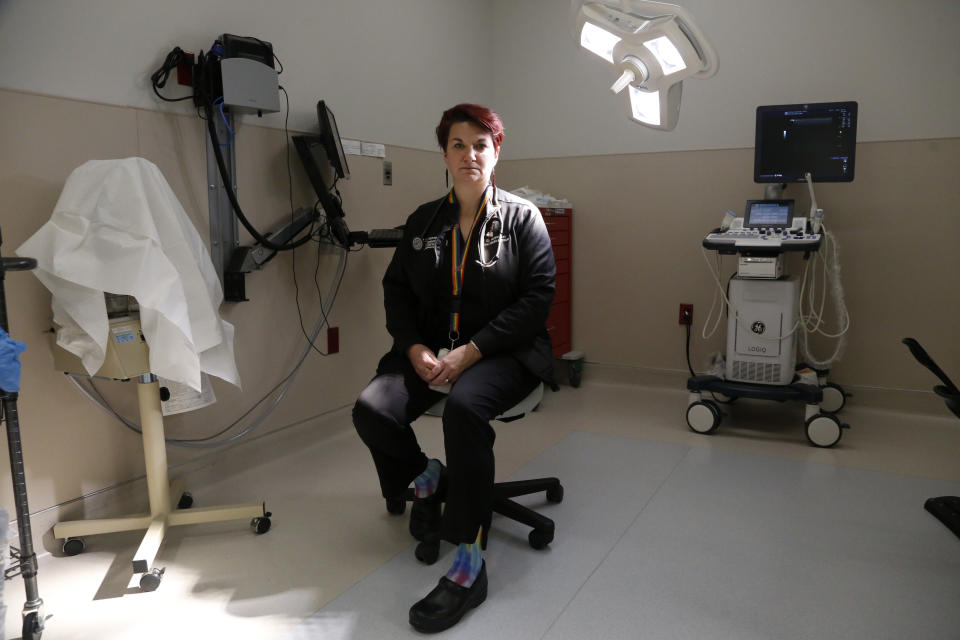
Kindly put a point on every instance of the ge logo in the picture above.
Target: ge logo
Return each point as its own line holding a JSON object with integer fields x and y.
{"x": 758, "y": 327}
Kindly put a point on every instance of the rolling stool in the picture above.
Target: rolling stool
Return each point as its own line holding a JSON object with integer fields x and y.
{"x": 542, "y": 527}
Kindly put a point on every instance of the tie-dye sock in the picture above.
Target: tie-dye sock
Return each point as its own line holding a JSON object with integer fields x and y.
{"x": 467, "y": 562}
{"x": 425, "y": 484}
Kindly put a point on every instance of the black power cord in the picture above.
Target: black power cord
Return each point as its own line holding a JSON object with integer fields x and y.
{"x": 689, "y": 366}
{"x": 206, "y": 101}
{"x": 204, "y": 80}
{"x": 159, "y": 77}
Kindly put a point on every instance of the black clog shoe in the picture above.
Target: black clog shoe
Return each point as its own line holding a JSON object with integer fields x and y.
{"x": 447, "y": 603}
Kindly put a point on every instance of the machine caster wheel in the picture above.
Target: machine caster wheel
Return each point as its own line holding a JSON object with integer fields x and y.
{"x": 427, "y": 552}
{"x": 703, "y": 416}
{"x": 396, "y": 506}
{"x": 555, "y": 494}
{"x": 151, "y": 580}
{"x": 823, "y": 430}
{"x": 540, "y": 539}
{"x": 261, "y": 525}
{"x": 32, "y": 627}
{"x": 73, "y": 546}
{"x": 834, "y": 398}
{"x": 186, "y": 500}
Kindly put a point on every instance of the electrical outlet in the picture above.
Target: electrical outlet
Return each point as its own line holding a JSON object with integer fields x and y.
{"x": 686, "y": 313}
{"x": 185, "y": 70}
{"x": 333, "y": 339}
{"x": 387, "y": 172}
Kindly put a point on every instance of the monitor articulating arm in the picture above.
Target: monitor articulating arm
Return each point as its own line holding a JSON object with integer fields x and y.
{"x": 246, "y": 259}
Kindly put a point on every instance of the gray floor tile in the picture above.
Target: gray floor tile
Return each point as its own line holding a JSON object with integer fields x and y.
{"x": 606, "y": 485}
{"x": 741, "y": 546}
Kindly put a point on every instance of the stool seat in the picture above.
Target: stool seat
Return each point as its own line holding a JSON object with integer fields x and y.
{"x": 517, "y": 411}
{"x": 542, "y": 527}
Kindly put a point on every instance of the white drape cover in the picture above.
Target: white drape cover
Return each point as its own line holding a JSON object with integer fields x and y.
{"x": 118, "y": 227}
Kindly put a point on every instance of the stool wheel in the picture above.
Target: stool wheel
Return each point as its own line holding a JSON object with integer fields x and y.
{"x": 555, "y": 494}
{"x": 396, "y": 506}
{"x": 540, "y": 539}
{"x": 428, "y": 552}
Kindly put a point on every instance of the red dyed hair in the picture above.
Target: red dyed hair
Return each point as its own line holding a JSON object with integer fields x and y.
{"x": 481, "y": 116}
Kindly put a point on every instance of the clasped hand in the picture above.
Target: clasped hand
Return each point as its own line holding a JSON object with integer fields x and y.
{"x": 446, "y": 371}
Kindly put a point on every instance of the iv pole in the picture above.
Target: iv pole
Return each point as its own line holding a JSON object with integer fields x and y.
{"x": 24, "y": 556}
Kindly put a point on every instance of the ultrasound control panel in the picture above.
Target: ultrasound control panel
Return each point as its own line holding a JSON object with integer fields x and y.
{"x": 766, "y": 225}
{"x": 764, "y": 238}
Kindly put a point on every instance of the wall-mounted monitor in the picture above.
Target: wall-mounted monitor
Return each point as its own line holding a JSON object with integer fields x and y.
{"x": 331, "y": 140}
{"x": 794, "y": 139}
{"x": 313, "y": 157}
{"x": 317, "y": 154}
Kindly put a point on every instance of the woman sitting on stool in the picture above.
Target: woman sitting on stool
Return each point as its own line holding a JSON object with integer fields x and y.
{"x": 467, "y": 296}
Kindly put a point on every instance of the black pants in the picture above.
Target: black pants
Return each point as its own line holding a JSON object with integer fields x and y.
{"x": 397, "y": 396}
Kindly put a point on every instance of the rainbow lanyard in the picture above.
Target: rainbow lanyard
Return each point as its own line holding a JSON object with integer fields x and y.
{"x": 458, "y": 262}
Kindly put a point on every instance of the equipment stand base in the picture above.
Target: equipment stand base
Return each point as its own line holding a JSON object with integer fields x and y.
{"x": 163, "y": 513}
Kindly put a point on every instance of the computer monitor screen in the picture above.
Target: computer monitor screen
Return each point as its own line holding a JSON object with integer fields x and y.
{"x": 331, "y": 140}
{"x": 795, "y": 139}
{"x": 764, "y": 214}
{"x": 313, "y": 157}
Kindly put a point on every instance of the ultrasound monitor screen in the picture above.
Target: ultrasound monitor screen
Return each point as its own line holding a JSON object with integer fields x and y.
{"x": 792, "y": 140}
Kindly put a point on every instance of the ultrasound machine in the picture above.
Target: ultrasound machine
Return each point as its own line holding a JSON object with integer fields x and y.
{"x": 794, "y": 143}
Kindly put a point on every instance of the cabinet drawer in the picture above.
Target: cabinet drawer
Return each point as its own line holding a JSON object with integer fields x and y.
{"x": 558, "y": 326}
{"x": 562, "y": 288}
{"x": 560, "y": 348}
{"x": 559, "y": 223}
{"x": 559, "y": 236}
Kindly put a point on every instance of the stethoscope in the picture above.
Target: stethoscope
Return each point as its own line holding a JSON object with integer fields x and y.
{"x": 493, "y": 211}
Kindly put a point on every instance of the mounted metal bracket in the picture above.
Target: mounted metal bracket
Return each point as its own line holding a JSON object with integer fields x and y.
{"x": 223, "y": 223}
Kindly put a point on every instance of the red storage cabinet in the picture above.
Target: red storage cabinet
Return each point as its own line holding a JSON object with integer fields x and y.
{"x": 559, "y": 226}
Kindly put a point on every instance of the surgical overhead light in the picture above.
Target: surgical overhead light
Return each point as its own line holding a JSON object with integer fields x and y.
{"x": 654, "y": 45}
{"x": 598, "y": 40}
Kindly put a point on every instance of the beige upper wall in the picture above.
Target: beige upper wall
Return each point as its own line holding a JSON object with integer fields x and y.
{"x": 71, "y": 447}
{"x": 639, "y": 220}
